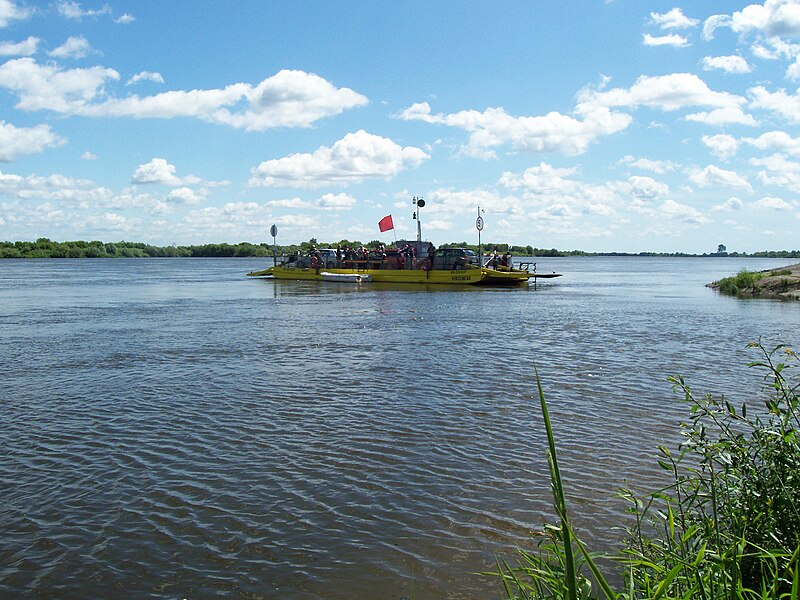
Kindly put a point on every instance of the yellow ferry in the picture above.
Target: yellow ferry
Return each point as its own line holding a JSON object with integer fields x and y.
{"x": 410, "y": 262}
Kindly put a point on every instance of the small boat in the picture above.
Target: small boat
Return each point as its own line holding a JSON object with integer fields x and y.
{"x": 346, "y": 277}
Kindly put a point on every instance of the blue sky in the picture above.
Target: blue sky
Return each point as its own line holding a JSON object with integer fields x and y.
{"x": 602, "y": 126}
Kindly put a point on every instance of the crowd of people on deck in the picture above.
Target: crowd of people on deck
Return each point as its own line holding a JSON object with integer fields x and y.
{"x": 394, "y": 258}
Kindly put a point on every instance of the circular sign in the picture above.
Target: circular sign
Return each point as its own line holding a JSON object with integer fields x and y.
{"x": 273, "y": 231}
{"x": 420, "y": 202}
{"x": 479, "y": 223}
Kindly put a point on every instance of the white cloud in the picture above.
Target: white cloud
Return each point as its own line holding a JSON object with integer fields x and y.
{"x": 184, "y": 195}
{"x": 146, "y": 76}
{"x": 665, "y": 92}
{"x": 729, "y": 64}
{"x": 125, "y": 19}
{"x": 656, "y": 166}
{"x": 675, "y": 40}
{"x": 780, "y": 171}
{"x": 774, "y": 18}
{"x": 776, "y": 140}
{"x": 544, "y": 179}
{"x": 793, "y": 72}
{"x": 772, "y": 203}
{"x": 357, "y": 156}
{"x": 74, "y": 47}
{"x": 786, "y": 105}
{"x": 17, "y": 141}
{"x": 159, "y": 171}
{"x": 723, "y": 146}
{"x": 647, "y": 188}
{"x": 74, "y": 11}
{"x": 552, "y": 132}
{"x": 47, "y": 87}
{"x": 26, "y": 47}
{"x": 731, "y": 204}
{"x": 287, "y": 99}
{"x": 723, "y": 116}
{"x": 9, "y": 11}
{"x": 673, "y": 19}
{"x": 67, "y": 190}
{"x": 339, "y": 201}
{"x": 713, "y": 176}
{"x": 328, "y": 202}
{"x": 683, "y": 213}
{"x": 88, "y": 156}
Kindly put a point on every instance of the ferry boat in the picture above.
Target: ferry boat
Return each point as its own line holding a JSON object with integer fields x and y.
{"x": 409, "y": 262}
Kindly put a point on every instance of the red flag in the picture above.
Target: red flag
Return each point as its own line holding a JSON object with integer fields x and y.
{"x": 385, "y": 224}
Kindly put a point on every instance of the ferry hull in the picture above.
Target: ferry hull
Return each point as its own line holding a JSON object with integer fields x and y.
{"x": 473, "y": 276}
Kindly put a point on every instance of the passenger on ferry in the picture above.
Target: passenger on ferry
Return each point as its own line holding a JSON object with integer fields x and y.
{"x": 505, "y": 260}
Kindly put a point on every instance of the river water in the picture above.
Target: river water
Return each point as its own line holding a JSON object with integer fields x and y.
{"x": 174, "y": 429}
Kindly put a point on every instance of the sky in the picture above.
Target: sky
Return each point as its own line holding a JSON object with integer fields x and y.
{"x": 615, "y": 125}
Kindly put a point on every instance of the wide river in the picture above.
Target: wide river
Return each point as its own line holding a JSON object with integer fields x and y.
{"x": 174, "y": 429}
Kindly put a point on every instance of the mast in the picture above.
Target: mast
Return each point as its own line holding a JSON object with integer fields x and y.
{"x": 419, "y": 203}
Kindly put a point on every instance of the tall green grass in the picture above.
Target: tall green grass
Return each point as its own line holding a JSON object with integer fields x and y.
{"x": 727, "y": 525}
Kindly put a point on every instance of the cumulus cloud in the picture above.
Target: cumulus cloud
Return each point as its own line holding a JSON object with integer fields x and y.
{"x": 673, "y": 19}
{"x": 665, "y": 92}
{"x": 723, "y": 146}
{"x": 647, "y": 188}
{"x": 779, "y": 171}
{"x": 146, "y": 76}
{"x": 713, "y": 176}
{"x": 543, "y": 178}
{"x": 185, "y": 195}
{"x": 781, "y": 103}
{"x": 357, "y": 156}
{"x": 731, "y": 204}
{"x": 774, "y": 18}
{"x": 656, "y": 166}
{"x": 74, "y": 47}
{"x": 53, "y": 188}
{"x": 287, "y": 99}
{"x": 776, "y": 140}
{"x": 673, "y": 39}
{"x": 723, "y": 116}
{"x": 9, "y": 12}
{"x": 552, "y": 132}
{"x": 159, "y": 171}
{"x": 26, "y": 47}
{"x": 729, "y": 64}
{"x": 773, "y": 203}
{"x": 328, "y": 202}
{"x": 74, "y": 11}
{"x": 18, "y": 141}
{"x": 682, "y": 212}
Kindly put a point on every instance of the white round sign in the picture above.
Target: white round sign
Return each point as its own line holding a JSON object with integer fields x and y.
{"x": 479, "y": 223}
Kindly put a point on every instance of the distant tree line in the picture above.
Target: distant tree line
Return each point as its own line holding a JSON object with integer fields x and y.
{"x": 45, "y": 248}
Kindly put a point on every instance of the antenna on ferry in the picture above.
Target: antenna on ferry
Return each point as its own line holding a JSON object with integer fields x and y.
{"x": 419, "y": 203}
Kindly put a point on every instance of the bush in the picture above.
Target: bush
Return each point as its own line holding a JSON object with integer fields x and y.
{"x": 742, "y": 282}
{"x": 726, "y": 526}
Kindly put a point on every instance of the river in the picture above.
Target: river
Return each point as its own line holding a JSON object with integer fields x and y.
{"x": 174, "y": 429}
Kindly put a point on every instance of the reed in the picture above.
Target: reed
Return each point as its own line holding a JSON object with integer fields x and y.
{"x": 727, "y": 525}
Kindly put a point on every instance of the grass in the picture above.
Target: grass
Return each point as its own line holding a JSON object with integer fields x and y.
{"x": 743, "y": 282}
{"x": 727, "y": 525}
